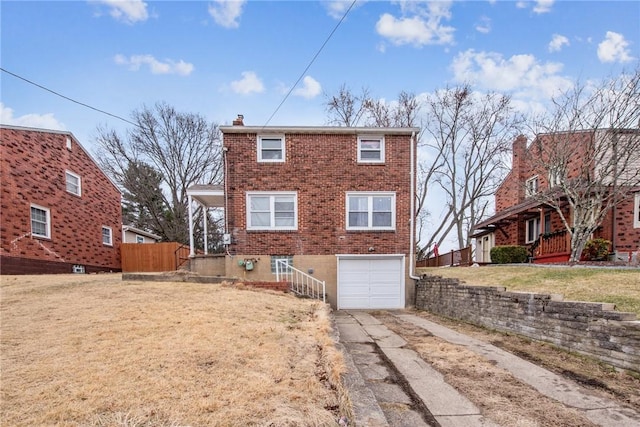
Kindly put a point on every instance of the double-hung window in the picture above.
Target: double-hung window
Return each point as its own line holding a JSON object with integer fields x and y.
{"x": 371, "y": 211}
{"x": 73, "y": 183}
{"x": 370, "y": 149}
{"x": 271, "y": 149}
{"x": 40, "y": 222}
{"x": 272, "y": 211}
{"x": 107, "y": 236}
{"x": 531, "y": 187}
{"x": 533, "y": 230}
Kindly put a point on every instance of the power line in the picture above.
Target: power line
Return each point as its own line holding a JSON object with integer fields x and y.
{"x": 311, "y": 62}
{"x": 69, "y": 99}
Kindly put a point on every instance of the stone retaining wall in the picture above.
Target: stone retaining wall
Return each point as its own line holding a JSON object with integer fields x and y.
{"x": 593, "y": 329}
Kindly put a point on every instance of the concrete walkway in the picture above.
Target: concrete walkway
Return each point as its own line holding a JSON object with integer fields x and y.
{"x": 392, "y": 385}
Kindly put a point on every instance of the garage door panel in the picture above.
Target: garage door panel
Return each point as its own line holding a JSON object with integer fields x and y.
{"x": 370, "y": 283}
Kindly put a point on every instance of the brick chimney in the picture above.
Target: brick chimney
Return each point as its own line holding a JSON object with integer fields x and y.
{"x": 519, "y": 150}
{"x": 239, "y": 121}
{"x": 519, "y": 164}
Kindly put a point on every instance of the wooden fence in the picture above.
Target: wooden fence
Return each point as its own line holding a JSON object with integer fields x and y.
{"x": 152, "y": 257}
{"x": 453, "y": 258}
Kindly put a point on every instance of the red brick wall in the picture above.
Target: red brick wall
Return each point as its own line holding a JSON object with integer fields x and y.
{"x": 34, "y": 164}
{"x": 321, "y": 168}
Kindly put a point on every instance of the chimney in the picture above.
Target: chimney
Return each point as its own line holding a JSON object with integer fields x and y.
{"x": 239, "y": 120}
{"x": 519, "y": 151}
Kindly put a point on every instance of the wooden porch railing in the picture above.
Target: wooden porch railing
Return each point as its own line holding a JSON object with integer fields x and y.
{"x": 553, "y": 243}
{"x": 460, "y": 257}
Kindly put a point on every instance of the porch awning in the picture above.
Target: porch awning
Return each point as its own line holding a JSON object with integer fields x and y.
{"x": 509, "y": 214}
{"x": 210, "y": 196}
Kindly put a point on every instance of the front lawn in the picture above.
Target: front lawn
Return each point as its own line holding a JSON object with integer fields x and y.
{"x": 92, "y": 350}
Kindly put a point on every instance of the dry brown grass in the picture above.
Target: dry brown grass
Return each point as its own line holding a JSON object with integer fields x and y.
{"x": 96, "y": 351}
{"x": 618, "y": 286}
{"x": 501, "y": 397}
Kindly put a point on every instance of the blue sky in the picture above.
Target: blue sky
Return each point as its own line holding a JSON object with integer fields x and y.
{"x": 220, "y": 59}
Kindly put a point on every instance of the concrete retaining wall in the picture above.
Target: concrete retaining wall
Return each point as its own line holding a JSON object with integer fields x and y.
{"x": 593, "y": 329}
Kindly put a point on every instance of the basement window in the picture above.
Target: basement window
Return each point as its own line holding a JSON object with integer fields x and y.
{"x": 288, "y": 259}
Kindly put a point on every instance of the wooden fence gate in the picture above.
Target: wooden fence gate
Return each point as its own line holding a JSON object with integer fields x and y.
{"x": 152, "y": 257}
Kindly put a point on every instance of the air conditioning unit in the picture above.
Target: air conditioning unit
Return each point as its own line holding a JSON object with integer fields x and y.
{"x": 226, "y": 239}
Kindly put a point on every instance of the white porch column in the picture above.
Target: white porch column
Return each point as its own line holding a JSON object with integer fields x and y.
{"x": 205, "y": 210}
{"x": 192, "y": 251}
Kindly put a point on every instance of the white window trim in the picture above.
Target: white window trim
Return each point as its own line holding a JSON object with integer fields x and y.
{"x": 139, "y": 239}
{"x": 371, "y": 195}
{"x": 371, "y": 137}
{"x": 284, "y": 149}
{"x": 104, "y": 227}
{"x": 636, "y": 211}
{"x": 527, "y": 190}
{"x": 79, "y": 193}
{"x": 48, "y": 219}
{"x": 272, "y": 195}
{"x": 527, "y": 229}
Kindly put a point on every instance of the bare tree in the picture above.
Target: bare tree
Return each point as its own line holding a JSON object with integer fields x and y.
{"x": 468, "y": 135}
{"x": 346, "y": 108}
{"x": 588, "y": 150}
{"x": 165, "y": 153}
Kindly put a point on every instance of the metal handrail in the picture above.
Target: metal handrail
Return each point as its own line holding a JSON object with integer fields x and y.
{"x": 300, "y": 282}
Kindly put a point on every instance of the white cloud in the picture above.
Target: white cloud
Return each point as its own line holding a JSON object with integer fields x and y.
{"x": 337, "y": 8}
{"x": 484, "y": 26}
{"x": 310, "y": 88}
{"x": 155, "y": 66}
{"x": 226, "y": 12}
{"x": 128, "y": 11}
{"x": 520, "y": 74}
{"x": 521, "y": 4}
{"x": 557, "y": 42}
{"x": 249, "y": 83}
{"x": 42, "y": 121}
{"x": 614, "y": 48}
{"x": 422, "y": 26}
{"x": 543, "y": 6}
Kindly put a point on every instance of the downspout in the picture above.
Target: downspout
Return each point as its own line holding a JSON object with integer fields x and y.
{"x": 226, "y": 195}
{"x": 412, "y": 249}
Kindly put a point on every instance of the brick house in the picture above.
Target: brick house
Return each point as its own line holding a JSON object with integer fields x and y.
{"x": 522, "y": 220}
{"x": 60, "y": 212}
{"x": 335, "y": 202}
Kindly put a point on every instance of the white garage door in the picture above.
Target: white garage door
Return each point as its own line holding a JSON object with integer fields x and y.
{"x": 371, "y": 283}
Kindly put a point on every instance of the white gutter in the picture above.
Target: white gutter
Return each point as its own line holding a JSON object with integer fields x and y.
{"x": 412, "y": 248}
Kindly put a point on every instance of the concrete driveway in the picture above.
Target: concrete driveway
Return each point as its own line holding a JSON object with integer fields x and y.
{"x": 390, "y": 385}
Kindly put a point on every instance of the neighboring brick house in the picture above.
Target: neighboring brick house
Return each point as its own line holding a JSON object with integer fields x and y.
{"x": 60, "y": 212}
{"x": 522, "y": 220}
{"x": 334, "y": 201}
